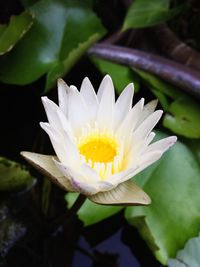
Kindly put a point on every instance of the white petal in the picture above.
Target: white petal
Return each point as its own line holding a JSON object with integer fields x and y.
{"x": 78, "y": 181}
{"x": 64, "y": 148}
{"x": 135, "y": 166}
{"x": 63, "y": 88}
{"x": 150, "y": 138}
{"x": 136, "y": 148}
{"x": 123, "y": 104}
{"x": 51, "y": 131}
{"x": 130, "y": 121}
{"x": 73, "y": 89}
{"x": 119, "y": 177}
{"x": 147, "y": 125}
{"x": 105, "y": 84}
{"x": 89, "y": 95}
{"x": 105, "y": 112}
{"x": 45, "y": 164}
{"x": 51, "y": 111}
{"x": 78, "y": 113}
{"x": 162, "y": 144}
{"x": 90, "y": 173}
{"x": 105, "y": 185}
{"x": 65, "y": 124}
{"x": 124, "y": 194}
{"x": 143, "y": 162}
{"x": 147, "y": 110}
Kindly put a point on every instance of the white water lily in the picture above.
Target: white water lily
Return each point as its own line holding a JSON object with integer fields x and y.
{"x": 99, "y": 143}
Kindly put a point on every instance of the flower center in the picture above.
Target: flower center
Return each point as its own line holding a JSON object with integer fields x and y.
{"x": 99, "y": 149}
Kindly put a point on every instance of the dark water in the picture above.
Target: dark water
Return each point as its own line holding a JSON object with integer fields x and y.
{"x": 115, "y": 241}
{"x": 121, "y": 253}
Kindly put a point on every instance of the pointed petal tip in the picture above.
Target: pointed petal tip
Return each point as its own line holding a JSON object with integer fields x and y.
{"x": 86, "y": 79}
{"x": 62, "y": 84}
{"x": 155, "y": 101}
{"x": 61, "y": 81}
{"x": 146, "y": 199}
{"x": 172, "y": 140}
{"x": 24, "y": 154}
{"x": 107, "y": 76}
{"x": 43, "y": 125}
{"x": 142, "y": 101}
{"x": 44, "y": 99}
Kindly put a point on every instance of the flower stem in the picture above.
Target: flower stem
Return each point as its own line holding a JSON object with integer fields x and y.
{"x": 69, "y": 215}
{"x": 76, "y": 206}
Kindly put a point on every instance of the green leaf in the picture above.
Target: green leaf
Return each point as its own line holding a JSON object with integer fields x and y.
{"x": 162, "y": 98}
{"x": 2, "y": 28}
{"x": 189, "y": 256}
{"x": 121, "y": 75}
{"x": 158, "y": 84}
{"x": 173, "y": 184}
{"x": 17, "y": 28}
{"x": 62, "y": 31}
{"x": 62, "y": 67}
{"x": 184, "y": 117}
{"x": 145, "y": 13}
{"x": 194, "y": 145}
{"x": 91, "y": 213}
{"x": 13, "y": 176}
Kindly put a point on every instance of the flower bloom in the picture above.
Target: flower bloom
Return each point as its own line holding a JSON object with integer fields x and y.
{"x": 99, "y": 143}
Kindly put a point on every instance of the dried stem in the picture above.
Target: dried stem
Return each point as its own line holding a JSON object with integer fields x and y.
{"x": 173, "y": 47}
{"x": 172, "y": 72}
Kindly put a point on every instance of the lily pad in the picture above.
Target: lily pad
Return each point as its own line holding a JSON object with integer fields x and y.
{"x": 158, "y": 84}
{"x": 184, "y": 117}
{"x": 121, "y": 75}
{"x": 60, "y": 28}
{"x": 189, "y": 256}
{"x": 14, "y": 176}
{"x": 17, "y": 28}
{"x": 173, "y": 184}
{"x": 91, "y": 213}
{"x": 145, "y": 13}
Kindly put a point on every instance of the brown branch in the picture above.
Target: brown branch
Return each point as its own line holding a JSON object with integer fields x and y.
{"x": 172, "y": 46}
{"x": 172, "y": 72}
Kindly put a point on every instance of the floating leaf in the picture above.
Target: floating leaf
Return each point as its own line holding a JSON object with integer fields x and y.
{"x": 11, "y": 34}
{"x": 194, "y": 145}
{"x": 184, "y": 117}
{"x": 62, "y": 67}
{"x": 91, "y": 213}
{"x": 2, "y": 28}
{"x": 145, "y": 13}
{"x": 189, "y": 256}
{"x": 13, "y": 176}
{"x": 60, "y": 28}
{"x": 158, "y": 84}
{"x": 121, "y": 75}
{"x": 174, "y": 216}
{"x": 162, "y": 98}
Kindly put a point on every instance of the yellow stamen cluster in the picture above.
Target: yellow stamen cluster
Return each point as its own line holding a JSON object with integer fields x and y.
{"x": 101, "y": 151}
